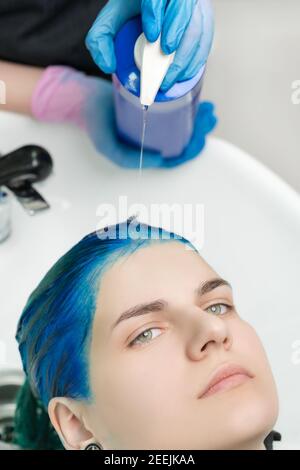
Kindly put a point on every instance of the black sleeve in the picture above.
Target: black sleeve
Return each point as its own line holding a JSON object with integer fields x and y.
{"x": 48, "y": 32}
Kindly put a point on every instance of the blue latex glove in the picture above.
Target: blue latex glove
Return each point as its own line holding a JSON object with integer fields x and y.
{"x": 186, "y": 26}
{"x": 66, "y": 95}
{"x": 100, "y": 124}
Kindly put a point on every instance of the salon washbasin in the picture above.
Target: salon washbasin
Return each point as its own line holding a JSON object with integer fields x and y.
{"x": 251, "y": 236}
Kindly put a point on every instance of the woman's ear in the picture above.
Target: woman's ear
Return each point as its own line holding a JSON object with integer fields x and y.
{"x": 67, "y": 420}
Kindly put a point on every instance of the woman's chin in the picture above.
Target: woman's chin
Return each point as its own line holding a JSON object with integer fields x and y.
{"x": 243, "y": 415}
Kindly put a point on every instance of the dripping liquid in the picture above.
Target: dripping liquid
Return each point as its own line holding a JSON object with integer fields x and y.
{"x": 145, "y": 109}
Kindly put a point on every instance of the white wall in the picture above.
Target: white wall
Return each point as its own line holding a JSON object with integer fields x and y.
{"x": 255, "y": 60}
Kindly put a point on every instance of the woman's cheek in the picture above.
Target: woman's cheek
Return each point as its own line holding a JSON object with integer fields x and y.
{"x": 247, "y": 341}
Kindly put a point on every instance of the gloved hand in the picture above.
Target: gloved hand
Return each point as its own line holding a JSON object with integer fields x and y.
{"x": 66, "y": 95}
{"x": 186, "y": 26}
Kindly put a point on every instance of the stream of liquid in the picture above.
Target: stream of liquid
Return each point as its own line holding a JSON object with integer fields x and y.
{"x": 145, "y": 109}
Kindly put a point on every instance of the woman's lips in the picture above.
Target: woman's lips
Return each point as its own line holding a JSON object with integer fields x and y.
{"x": 225, "y": 378}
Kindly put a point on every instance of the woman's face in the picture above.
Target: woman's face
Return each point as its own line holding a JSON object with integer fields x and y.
{"x": 148, "y": 371}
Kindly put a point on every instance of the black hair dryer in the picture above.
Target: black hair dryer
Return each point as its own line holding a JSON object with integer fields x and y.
{"x": 20, "y": 169}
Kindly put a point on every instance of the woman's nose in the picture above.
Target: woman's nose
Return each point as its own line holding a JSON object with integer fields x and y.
{"x": 209, "y": 333}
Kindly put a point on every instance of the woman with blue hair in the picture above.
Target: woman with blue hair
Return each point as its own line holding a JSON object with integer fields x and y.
{"x": 132, "y": 341}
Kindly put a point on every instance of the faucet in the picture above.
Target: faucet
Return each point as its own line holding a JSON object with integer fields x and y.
{"x": 20, "y": 169}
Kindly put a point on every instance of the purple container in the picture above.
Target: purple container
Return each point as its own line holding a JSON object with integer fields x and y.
{"x": 170, "y": 120}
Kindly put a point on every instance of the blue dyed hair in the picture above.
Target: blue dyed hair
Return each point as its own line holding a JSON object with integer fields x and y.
{"x": 54, "y": 331}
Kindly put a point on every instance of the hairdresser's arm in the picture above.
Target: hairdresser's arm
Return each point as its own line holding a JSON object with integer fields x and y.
{"x": 20, "y": 82}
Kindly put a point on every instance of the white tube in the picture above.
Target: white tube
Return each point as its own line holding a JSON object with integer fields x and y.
{"x": 154, "y": 65}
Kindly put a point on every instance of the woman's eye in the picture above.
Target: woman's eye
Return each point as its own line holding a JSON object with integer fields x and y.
{"x": 219, "y": 309}
{"x": 144, "y": 337}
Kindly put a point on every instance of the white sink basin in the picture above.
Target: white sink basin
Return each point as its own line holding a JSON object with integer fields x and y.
{"x": 252, "y": 236}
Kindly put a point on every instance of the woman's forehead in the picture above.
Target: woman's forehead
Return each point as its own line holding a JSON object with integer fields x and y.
{"x": 164, "y": 270}
{"x": 172, "y": 258}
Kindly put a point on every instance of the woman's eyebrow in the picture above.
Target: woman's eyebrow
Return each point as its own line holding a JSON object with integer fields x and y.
{"x": 160, "y": 305}
{"x": 210, "y": 285}
{"x": 141, "y": 309}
